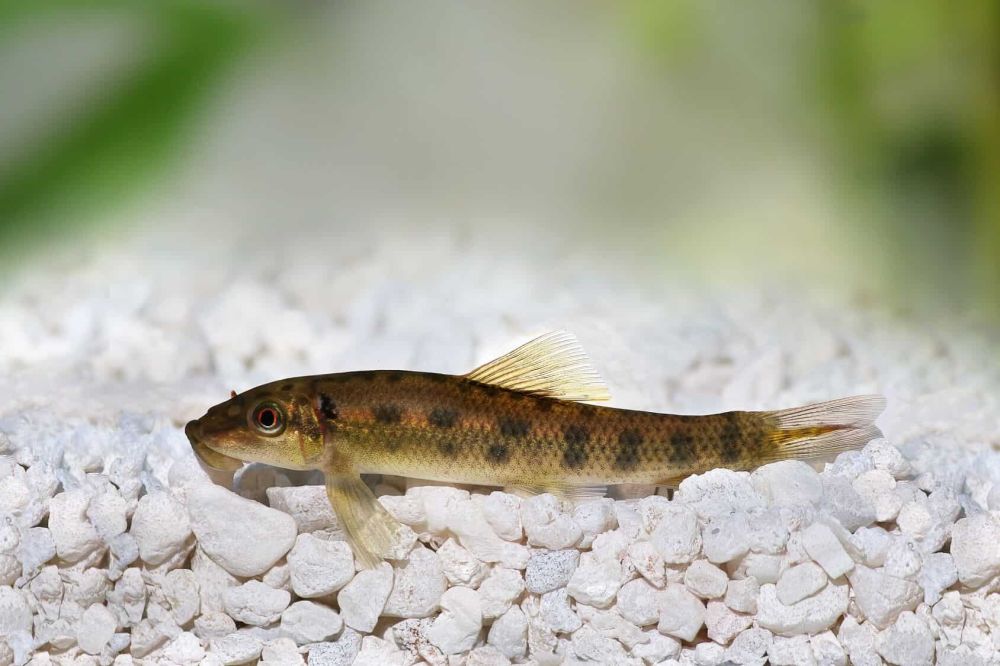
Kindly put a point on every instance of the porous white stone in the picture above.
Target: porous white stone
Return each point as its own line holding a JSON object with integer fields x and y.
{"x": 594, "y": 517}
{"x": 842, "y": 502}
{"x": 341, "y": 652}
{"x": 550, "y": 569}
{"x": 460, "y": 567}
{"x": 407, "y": 509}
{"x": 826, "y": 550}
{"x": 676, "y": 536}
{"x": 741, "y": 595}
{"x": 212, "y": 579}
{"x": 596, "y": 580}
{"x": 15, "y": 613}
{"x": 509, "y": 633}
{"x": 876, "y": 486}
{"x": 886, "y": 457}
{"x": 723, "y": 624}
{"x": 456, "y": 629}
{"x": 310, "y": 622}
{"x": 244, "y": 537}
{"x": 880, "y": 597}
{"x": 107, "y": 512}
{"x": 361, "y": 601}
{"x": 75, "y": 538}
{"x": 655, "y": 647}
{"x": 639, "y": 602}
{"x": 280, "y": 652}
{"x": 937, "y": 574}
{"x": 486, "y": 655}
{"x": 811, "y": 615}
{"x": 35, "y": 549}
{"x": 726, "y": 538}
{"x": 255, "y": 603}
{"x": 705, "y": 579}
{"x": 589, "y": 645}
{"x": 907, "y": 642}
{"x": 377, "y": 652}
{"x": 682, "y": 614}
{"x": 903, "y": 559}
{"x": 185, "y": 648}
{"x": 557, "y": 612}
{"x": 718, "y": 492}
{"x": 765, "y": 568}
{"x": 213, "y": 625}
{"x": 319, "y": 567}
{"x": 499, "y": 590}
{"x": 975, "y": 548}
{"x": 872, "y": 543}
{"x": 95, "y": 628}
{"x": 236, "y": 648}
{"x": 787, "y": 483}
{"x": 790, "y": 651}
{"x": 180, "y": 589}
{"x": 647, "y": 562}
{"x": 418, "y": 584}
{"x": 750, "y": 646}
{"x": 466, "y": 521}
{"x": 827, "y": 650}
{"x": 503, "y": 513}
{"x": 800, "y": 581}
{"x": 308, "y": 506}
{"x": 547, "y": 525}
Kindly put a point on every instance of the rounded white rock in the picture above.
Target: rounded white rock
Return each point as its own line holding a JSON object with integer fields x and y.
{"x": 800, "y": 581}
{"x": 705, "y": 579}
{"x": 255, "y": 603}
{"x": 310, "y": 622}
{"x": 319, "y": 567}
{"x": 509, "y": 633}
{"x": 499, "y": 590}
{"x": 456, "y": 629}
{"x": 639, "y": 602}
{"x": 361, "y": 601}
{"x": 75, "y": 538}
{"x": 975, "y": 548}
{"x": 788, "y": 483}
{"x": 811, "y": 615}
{"x": 677, "y": 537}
{"x": 417, "y": 586}
{"x": 244, "y": 537}
{"x": 547, "y": 525}
{"x": 682, "y": 614}
{"x": 550, "y": 569}
{"x": 908, "y": 642}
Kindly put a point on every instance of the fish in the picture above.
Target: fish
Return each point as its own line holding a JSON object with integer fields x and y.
{"x": 523, "y": 421}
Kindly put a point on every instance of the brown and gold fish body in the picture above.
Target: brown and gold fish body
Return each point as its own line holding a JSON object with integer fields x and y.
{"x": 517, "y": 421}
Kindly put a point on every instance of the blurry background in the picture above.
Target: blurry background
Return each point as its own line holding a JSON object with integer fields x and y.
{"x": 839, "y": 144}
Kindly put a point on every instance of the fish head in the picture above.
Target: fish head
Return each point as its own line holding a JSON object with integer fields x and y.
{"x": 270, "y": 424}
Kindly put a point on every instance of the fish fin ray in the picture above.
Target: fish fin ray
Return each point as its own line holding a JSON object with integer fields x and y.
{"x": 553, "y": 365}
{"x": 369, "y": 527}
{"x": 562, "y": 489}
{"x": 821, "y": 430}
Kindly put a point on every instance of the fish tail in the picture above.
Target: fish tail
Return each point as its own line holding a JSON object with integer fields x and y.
{"x": 825, "y": 429}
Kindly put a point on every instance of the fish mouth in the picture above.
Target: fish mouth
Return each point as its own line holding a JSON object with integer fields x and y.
{"x": 209, "y": 458}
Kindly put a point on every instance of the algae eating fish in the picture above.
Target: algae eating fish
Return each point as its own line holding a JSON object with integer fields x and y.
{"x": 518, "y": 421}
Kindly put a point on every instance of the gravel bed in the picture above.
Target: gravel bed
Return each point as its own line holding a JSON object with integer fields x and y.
{"x": 115, "y": 547}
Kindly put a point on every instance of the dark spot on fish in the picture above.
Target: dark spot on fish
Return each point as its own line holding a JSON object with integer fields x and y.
{"x": 545, "y": 404}
{"x": 730, "y": 437}
{"x": 442, "y": 417}
{"x": 681, "y": 448}
{"x": 342, "y": 377}
{"x": 448, "y": 448}
{"x": 629, "y": 441}
{"x": 394, "y": 377}
{"x": 368, "y": 376}
{"x": 327, "y": 407}
{"x": 388, "y": 413}
{"x": 435, "y": 377}
{"x": 488, "y": 389}
{"x": 512, "y": 427}
{"x": 575, "y": 453}
{"x": 287, "y": 387}
{"x": 498, "y": 453}
{"x": 518, "y": 395}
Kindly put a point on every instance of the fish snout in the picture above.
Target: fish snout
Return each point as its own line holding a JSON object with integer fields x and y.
{"x": 193, "y": 431}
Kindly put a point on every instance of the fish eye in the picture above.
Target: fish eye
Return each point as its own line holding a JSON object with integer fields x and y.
{"x": 267, "y": 418}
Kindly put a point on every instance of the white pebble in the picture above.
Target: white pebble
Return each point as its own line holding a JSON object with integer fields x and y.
{"x": 212, "y": 579}
{"x": 975, "y": 548}
{"x": 308, "y": 506}
{"x": 466, "y": 521}
{"x": 726, "y": 538}
{"x": 800, "y": 581}
{"x": 741, "y": 595}
{"x": 460, "y": 567}
{"x": 185, "y": 648}
{"x": 180, "y": 588}
{"x": 589, "y": 645}
{"x": 902, "y": 559}
{"x": 788, "y": 483}
{"x": 765, "y": 568}
{"x": 319, "y": 567}
{"x": 509, "y": 633}
{"x": 75, "y": 538}
{"x": 594, "y": 517}
{"x": 280, "y": 652}
{"x": 550, "y": 569}
{"x": 705, "y": 579}
{"x": 107, "y": 513}
{"x": 547, "y": 525}
{"x": 456, "y": 629}
{"x": 499, "y": 590}
{"x": 341, "y": 652}
{"x": 723, "y": 624}
{"x": 827, "y": 649}
{"x": 937, "y": 574}
{"x": 245, "y": 537}
{"x": 908, "y": 642}
{"x": 255, "y": 603}
{"x": 872, "y": 543}
{"x": 915, "y": 519}
{"x": 682, "y": 614}
{"x": 826, "y": 550}
{"x": 676, "y": 536}
{"x": 842, "y": 502}
{"x": 813, "y": 614}
{"x": 596, "y": 580}
{"x": 750, "y": 646}
{"x": 880, "y": 597}
{"x": 377, "y": 652}
{"x": 877, "y": 486}
{"x": 656, "y": 647}
{"x": 236, "y": 648}
{"x": 790, "y": 651}
{"x": 95, "y": 628}
{"x": 718, "y": 492}
{"x": 486, "y": 655}
{"x": 503, "y": 513}
{"x": 361, "y": 601}
{"x": 417, "y": 585}
{"x": 557, "y": 612}
{"x": 213, "y": 625}
{"x": 647, "y": 562}
{"x": 15, "y": 613}
{"x": 310, "y": 622}
{"x": 639, "y": 602}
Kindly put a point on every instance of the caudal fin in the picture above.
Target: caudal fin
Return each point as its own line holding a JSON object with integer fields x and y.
{"x": 825, "y": 429}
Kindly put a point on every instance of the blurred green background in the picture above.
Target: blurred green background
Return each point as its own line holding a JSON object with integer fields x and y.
{"x": 853, "y": 144}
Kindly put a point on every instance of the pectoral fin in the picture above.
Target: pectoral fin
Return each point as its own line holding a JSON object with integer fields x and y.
{"x": 369, "y": 526}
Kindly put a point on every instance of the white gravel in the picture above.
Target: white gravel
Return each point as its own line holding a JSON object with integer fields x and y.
{"x": 115, "y": 548}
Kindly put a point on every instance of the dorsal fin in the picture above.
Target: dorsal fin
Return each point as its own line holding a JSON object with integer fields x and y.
{"x": 553, "y": 365}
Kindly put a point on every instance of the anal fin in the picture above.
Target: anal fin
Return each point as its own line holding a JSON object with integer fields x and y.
{"x": 370, "y": 528}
